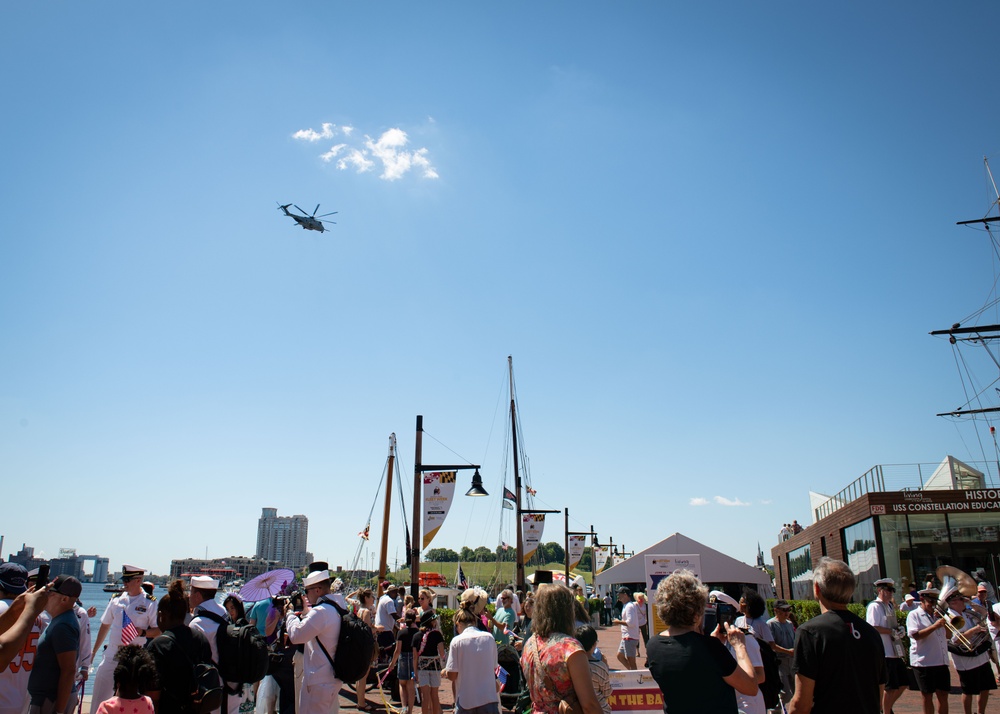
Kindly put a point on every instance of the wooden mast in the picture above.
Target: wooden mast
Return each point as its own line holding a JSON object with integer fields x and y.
{"x": 385, "y": 515}
{"x": 519, "y": 563}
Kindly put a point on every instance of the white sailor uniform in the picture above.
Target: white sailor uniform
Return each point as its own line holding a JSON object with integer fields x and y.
{"x": 141, "y": 611}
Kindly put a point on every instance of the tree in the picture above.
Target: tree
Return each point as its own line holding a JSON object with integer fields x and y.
{"x": 506, "y": 555}
{"x": 467, "y": 553}
{"x": 586, "y": 559}
{"x": 441, "y": 555}
{"x": 483, "y": 554}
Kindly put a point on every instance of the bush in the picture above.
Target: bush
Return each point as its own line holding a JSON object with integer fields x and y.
{"x": 595, "y": 605}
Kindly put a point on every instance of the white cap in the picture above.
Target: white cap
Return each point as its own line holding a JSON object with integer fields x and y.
{"x": 317, "y": 576}
{"x": 722, "y": 597}
{"x": 204, "y": 582}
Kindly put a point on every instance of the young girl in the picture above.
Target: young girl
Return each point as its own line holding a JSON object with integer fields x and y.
{"x": 135, "y": 673}
{"x": 428, "y": 652}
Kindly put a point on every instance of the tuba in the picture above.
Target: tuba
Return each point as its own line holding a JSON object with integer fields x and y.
{"x": 954, "y": 580}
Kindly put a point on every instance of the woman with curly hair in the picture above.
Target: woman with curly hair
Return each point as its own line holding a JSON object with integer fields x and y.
{"x": 695, "y": 672}
{"x": 135, "y": 674}
{"x": 175, "y": 652}
{"x": 554, "y": 663}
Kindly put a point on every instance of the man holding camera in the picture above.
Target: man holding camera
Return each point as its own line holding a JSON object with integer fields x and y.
{"x": 318, "y": 629}
{"x": 53, "y": 673}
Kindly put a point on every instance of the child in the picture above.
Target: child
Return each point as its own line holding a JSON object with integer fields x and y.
{"x": 135, "y": 673}
{"x": 599, "y": 675}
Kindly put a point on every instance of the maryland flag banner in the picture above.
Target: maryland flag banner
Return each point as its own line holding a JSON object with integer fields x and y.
{"x": 439, "y": 489}
{"x": 600, "y": 558}
{"x": 576, "y": 545}
{"x": 532, "y": 525}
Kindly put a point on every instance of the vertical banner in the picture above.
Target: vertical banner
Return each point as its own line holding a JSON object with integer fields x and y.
{"x": 657, "y": 568}
{"x": 600, "y": 558}
{"x": 617, "y": 560}
{"x": 532, "y": 525}
{"x": 439, "y": 489}
{"x": 576, "y": 545}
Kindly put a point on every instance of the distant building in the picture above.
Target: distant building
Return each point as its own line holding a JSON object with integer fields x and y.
{"x": 283, "y": 539}
{"x": 68, "y": 563}
{"x": 26, "y": 558}
{"x": 900, "y": 522}
{"x": 225, "y": 569}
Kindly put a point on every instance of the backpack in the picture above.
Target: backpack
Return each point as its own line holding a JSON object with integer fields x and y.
{"x": 355, "y": 645}
{"x": 243, "y": 653}
{"x": 771, "y": 686}
{"x": 207, "y": 694}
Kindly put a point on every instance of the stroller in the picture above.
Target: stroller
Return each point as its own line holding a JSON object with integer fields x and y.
{"x": 516, "y": 689}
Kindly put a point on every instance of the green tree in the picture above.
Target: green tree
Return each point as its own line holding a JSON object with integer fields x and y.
{"x": 483, "y": 554}
{"x": 507, "y": 555}
{"x": 467, "y": 553}
{"x": 441, "y": 555}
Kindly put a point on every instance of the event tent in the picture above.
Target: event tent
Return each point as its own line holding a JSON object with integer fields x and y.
{"x": 716, "y": 567}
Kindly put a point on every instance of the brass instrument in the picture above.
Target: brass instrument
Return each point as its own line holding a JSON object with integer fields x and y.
{"x": 954, "y": 580}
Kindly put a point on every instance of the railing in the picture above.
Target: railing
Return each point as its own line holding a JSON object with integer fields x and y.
{"x": 898, "y": 477}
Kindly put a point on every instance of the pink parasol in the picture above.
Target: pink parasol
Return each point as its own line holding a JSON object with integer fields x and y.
{"x": 266, "y": 585}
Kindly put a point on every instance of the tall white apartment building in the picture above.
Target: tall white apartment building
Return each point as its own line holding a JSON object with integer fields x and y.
{"x": 283, "y": 538}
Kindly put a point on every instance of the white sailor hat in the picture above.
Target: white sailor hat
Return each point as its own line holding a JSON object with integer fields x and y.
{"x": 315, "y": 577}
{"x": 204, "y": 582}
{"x": 132, "y": 571}
{"x": 722, "y": 597}
{"x": 929, "y": 592}
{"x": 885, "y": 582}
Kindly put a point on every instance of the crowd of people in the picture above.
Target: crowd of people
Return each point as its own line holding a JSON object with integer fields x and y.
{"x": 834, "y": 662}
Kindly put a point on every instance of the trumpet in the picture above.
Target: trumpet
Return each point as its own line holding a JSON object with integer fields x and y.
{"x": 954, "y": 580}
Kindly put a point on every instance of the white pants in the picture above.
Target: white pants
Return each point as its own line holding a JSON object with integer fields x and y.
{"x": 322, "y": 698}
{"x": 103, "y": 681}
{"x": 267, "y": 696}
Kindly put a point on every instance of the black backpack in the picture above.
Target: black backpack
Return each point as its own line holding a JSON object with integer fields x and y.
{"x": 243, "y": 653}
{"x": 771, "y": 686}
{"x": 207, "y": 694}
{"x": 355, "y": 645}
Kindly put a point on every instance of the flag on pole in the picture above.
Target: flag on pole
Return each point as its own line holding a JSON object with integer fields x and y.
{"x": 504, "y": 545}
{"x": 460, "y": 578}
{"x": 364, "y": 533}
{"x": 530, "y": 490}
{"x": 129, "y": 631}
{"x": 508, "y": 494}
{"x": 501, "y": 676}
{"x": 508, "y": 505}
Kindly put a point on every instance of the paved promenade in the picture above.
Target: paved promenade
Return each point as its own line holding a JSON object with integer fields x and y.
{"x": 608, "y": 639}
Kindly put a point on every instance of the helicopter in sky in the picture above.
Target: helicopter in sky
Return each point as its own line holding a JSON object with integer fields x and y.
{"x": 309, "y": 222}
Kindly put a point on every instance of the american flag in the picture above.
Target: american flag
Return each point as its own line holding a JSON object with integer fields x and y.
{"x": 502, "y": 676}
{"x": 460, "y": 577}
{"x": 364, "y": 533}
{"x": 129, "y": 631}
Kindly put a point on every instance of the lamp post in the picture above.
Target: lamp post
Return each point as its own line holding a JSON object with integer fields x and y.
{"x": 569, "y": 533}
{"x": 418, "y": 469}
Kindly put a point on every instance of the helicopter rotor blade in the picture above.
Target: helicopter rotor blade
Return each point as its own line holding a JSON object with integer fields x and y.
{"x": 333, "y": 222}
{"x": 300, "y": 209}
{"x": 313, "y": 214}
{"x": 328, "y": 214}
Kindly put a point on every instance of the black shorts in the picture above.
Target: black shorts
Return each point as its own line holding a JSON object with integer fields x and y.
{"x": 977, "y": 680}
{"x": 933, "y": 679}
{"x": 896, "y": 675}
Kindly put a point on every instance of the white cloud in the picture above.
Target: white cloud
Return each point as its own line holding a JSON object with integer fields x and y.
{"x": 698, "y": 501}
{"x": 356, "y": 159}
{"x": 722, "y": 501}
{"x": 332, "y": 153}
{"x": 389, "y": 150}
{"x": 765, "y": 502}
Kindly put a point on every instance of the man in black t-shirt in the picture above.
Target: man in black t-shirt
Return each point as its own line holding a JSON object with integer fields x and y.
{"x": 839, "y": 661}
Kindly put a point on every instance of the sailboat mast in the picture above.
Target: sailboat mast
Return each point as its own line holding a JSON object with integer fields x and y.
{"x": 385, "y": 516}
{"x": 519, "y": 563}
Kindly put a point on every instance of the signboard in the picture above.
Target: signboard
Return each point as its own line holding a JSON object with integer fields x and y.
{"x": 600, "y": 558}
{"x": 439, "y": 489}
{"x": 576, "y": 545}
{"x": 635, "y": 691}
{"x": 657, "y": 568}
{"x": 531, "y": 533}
{"x": 972, "y": 500}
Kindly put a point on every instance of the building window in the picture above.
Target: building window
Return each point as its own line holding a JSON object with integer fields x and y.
{"x": 974, "y": 538}
{"x": 862, "y": 557}
{"x": 800, "y": 572}
{"x": 896, "y": 551}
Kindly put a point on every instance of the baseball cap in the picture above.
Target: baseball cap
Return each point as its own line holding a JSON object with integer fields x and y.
{"x": 13, "y": 578}
{"x": 67, "y": 585}
{"x": 981, "y": 587}
{"x": 624, "y": 591}
{"x": 782, "y": 605}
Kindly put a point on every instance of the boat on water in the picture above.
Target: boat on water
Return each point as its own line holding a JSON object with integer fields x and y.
{"x": 112, "y": 587}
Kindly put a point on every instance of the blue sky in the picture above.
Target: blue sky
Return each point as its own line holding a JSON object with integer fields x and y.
{"x": 713, "y": 236}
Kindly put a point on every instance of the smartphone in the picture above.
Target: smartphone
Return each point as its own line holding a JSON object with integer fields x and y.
{"x": 43, "y": 576}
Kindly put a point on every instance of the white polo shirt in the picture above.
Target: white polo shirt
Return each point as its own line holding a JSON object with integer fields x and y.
{"x": 384, "y": 613}
{"x": 931, "y": 651}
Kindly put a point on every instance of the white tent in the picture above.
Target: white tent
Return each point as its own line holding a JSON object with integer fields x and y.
{"x": 716, "y": 567}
